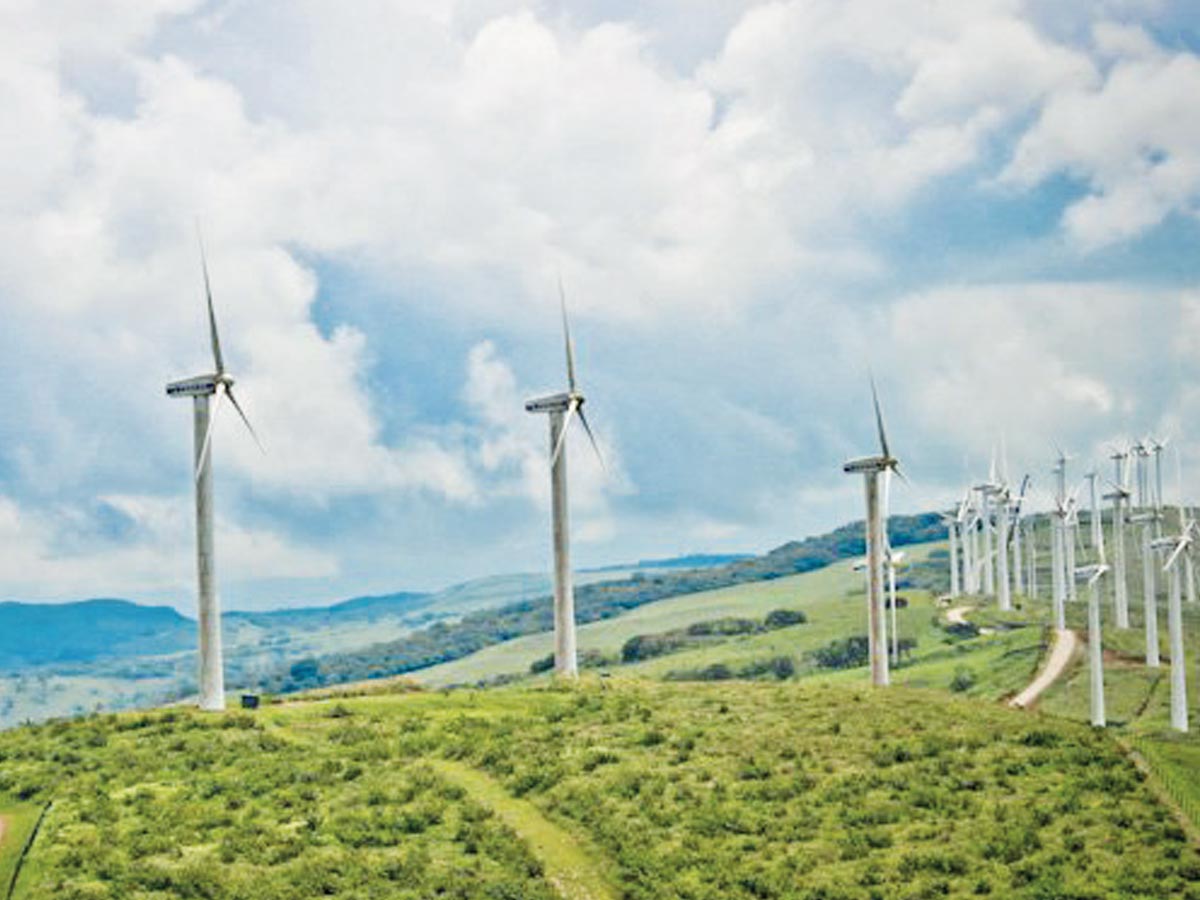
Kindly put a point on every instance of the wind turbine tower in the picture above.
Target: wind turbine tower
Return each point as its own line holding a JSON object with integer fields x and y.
{"x": 1092, "y": 575}
{"x": 207, "y": 393}
{"x": 871, "y": 467}
{"x": 561, "y": 408}
{"x": 1120, "y": 497}
{"x": 1095, "y": 522}
{"x": 1017, "y": 526}
{"x": 1176, "y": 546}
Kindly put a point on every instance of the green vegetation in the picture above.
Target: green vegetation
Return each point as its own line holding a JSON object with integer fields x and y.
{"x": 788, "y": 790}
{"x": 444, "y": 641}
{"x": 708, "y": 631}
{"x": 830, "y": 598}
{"x": 17, "y": 821}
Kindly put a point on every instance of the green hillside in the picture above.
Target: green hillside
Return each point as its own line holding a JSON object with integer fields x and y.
{"x": 649, "y": 790}
{"x": 832, "y": 598}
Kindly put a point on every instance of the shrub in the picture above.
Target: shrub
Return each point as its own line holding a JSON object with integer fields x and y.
{"x": 964, "y": 679}
{"x": 782, "y": 618}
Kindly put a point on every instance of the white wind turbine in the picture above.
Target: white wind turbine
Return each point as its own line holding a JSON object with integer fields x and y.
{"x": 1120, "y": 497}
{"x": 1148, "y": 519}
{"x": 200, "y": 388}
{"x": 561, "y": 408}
{"x": 1071, "y": 540}
{"x": 1031, "y": 543}
{"x": 1176, "y": 547}
{"x": 954, "y": 526}
{"x": 1015, "y": 528}
{"x": 1092, "y": 575}
{"x": 1063, "y": 578}
{"x": 871, "y": 467}
{"x": 1185, "y": 522}
{"x": 986, "y": 491}
{"x": 970, "y": 545}
{"x": 1095, "y": 522}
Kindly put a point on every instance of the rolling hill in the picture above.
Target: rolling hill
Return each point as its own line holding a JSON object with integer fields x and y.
{"x": 622, "y": 788}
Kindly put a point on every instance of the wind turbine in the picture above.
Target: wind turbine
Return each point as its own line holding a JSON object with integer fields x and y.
{"x": 1176, "y": 547}
{"x": 1148, "y": 519}
{"x": 1092, "y": 575}
{"x": 986, "y": 489}
{"x": 871, "y": 467}
{"x": 1015, "y": 524}
{"x": 1031, "y": 543}
{"x": 1185, "y": 522}
{"x": 201, "y": 388}
{"x": 561, "y": 408}
{"x": 951, "y": 523}
{"x": 1120, "y": 498}
{"x": 1070, "y": 540}
{"x": 1156, "y": 446}
{"x": 1097, "y": 530}
{"x": 970, "y": 545}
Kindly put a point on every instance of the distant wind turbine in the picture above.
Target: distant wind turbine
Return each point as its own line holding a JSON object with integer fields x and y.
{"x": 1176, "y": 547}
{"x": 1095, "y": 521}
{"x": 1148, "y": 519}
{"x": 561, "y": 408}
{"x": 204, "y": 417}
{"x": 1120, "y": 497}
{"x": 871, "y": 467}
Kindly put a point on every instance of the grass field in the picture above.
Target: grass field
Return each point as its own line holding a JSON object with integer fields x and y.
{"x": 18, "y": 820}
{"x": 801, "y": 790}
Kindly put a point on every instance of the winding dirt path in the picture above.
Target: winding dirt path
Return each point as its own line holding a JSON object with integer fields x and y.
{"x": 569, "y": 867}
{"x": 1065, "y": 643}
{"x": 958, "y": 615}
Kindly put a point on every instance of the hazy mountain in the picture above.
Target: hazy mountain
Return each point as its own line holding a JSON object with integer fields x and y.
{"x": 38, "y": 633}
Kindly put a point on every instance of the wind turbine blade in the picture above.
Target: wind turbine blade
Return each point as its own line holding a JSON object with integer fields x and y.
{"x": 883, "y": 444}
{"x": 591, "y": 437}
{"x": 242, "y": 413}
{"x": 214, "y": 407}
{"x": 562, "y": 299}
{"x": 562, "y": 435}
{"x": 218, "y": 359}
{"x": 1179, "y": 548}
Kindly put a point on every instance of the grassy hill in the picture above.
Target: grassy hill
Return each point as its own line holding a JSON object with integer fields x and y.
{"x": 444, "y": 642}
{"x": 620, "y": 788}
{"x": 831, "y": 597}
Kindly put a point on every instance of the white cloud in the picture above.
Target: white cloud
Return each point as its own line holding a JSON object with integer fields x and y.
{"x": 36, "y": 562}
{"x": 460, "y": 155}
{"x": 1134, "y": 140}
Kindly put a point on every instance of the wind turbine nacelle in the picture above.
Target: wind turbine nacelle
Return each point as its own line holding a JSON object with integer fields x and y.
{"x": 553, "y": 403}
{"x": 200, "y": 386}
{"x": 1164, "y": 543}
{"x": 1143, "y": 517}
{"x": 868, "y": 464}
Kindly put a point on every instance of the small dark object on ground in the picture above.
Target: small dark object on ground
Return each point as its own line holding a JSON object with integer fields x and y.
{"x": 249, "y": 701}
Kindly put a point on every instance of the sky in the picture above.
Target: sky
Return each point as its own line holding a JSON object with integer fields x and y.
{"x": 991, "y": 204}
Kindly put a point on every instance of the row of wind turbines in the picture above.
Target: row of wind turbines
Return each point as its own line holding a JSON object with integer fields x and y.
{"x": 987, "y": 523}
{"x": 209, "y": 391}
{"x": 990, "y": 519}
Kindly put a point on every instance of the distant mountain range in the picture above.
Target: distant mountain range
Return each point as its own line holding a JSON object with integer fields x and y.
{"x": 37, "y": 634}
{"x": 87, "y": 631}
